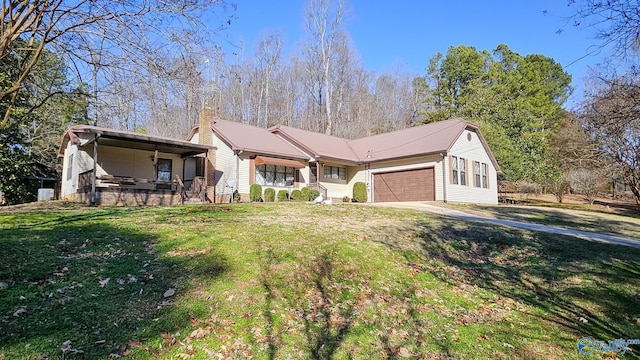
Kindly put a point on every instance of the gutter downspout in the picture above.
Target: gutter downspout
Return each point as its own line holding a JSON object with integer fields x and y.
{"x": 238, "y": 153}
{"x": 444, "y": 177}
{"x": 318, "y": 176}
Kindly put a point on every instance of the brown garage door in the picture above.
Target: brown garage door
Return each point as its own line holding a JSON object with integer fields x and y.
{"x": 407, "y": 185}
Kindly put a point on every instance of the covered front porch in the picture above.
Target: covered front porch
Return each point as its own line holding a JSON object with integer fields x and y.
{"x": 124, "y": 168}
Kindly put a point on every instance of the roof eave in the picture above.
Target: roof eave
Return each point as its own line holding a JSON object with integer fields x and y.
{"x": 442, "y": 152}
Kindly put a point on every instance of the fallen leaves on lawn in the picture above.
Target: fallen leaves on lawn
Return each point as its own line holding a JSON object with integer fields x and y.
{"x": 104, "y": 282}
{"x": 68, "y": 348}
{"x": 169, "y": 292}
{"x": 19, "y": 311}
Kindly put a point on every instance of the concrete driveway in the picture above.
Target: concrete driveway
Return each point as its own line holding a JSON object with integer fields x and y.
{"x": 586, "y": 235}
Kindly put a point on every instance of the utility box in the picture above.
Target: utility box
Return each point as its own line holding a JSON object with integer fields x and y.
{"x": 45, "y": 194}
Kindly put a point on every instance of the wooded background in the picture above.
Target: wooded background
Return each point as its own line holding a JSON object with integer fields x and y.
{"x": 152, "y": 66}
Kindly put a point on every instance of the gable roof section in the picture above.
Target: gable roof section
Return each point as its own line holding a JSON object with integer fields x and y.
{"x": 431, "y": 138}
{"x": 254, "y": 139}
{"x": 318, "y": 145}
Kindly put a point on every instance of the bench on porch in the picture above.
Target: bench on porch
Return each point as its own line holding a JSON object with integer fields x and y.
{"x": 126, "y": 180}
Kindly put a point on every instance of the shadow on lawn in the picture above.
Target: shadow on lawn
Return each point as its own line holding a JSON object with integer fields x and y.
{"x": 588, "y": 287}
{"x": 318, "y": 306}
{"x": 81, "y": 279}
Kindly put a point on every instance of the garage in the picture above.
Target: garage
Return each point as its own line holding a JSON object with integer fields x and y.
{"x": 406, "y": 185}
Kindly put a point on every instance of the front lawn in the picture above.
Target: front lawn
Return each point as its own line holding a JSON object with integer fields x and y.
{"x": 279, "y": 281}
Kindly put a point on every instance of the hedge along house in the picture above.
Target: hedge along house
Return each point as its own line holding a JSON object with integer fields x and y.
{"x": 443, "y": 161}
{"x": 108, "y": 167}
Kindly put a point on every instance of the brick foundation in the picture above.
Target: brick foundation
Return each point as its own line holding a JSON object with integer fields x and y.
{"x": 129, "y": 197}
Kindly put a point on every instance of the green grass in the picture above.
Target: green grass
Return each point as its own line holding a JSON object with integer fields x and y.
{"x": 277, "y": 281}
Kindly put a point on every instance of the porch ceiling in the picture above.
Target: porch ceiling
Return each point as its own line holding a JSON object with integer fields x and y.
{"x": 130, "y": 140}
{"x": 184, "y": 150}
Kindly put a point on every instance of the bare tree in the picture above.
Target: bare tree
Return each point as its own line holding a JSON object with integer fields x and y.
{"x": 616, "y": 22}
{"x": 611, "y": 117}
{"x": 91, "y": 33}
{"x": 268, "y": 57}
{"x": 323, "y": 20}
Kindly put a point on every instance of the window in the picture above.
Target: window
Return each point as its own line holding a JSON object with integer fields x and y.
{"x": 463, "y": 171}
{"x": 164, "y": 170}
{"x": 334, "y": 173}
{"x": 454, "y": 169}
{"x": 70, "y": 168}
{"x": 275, "y": 175}
{"x": 476, "y": 171}
{"x": 484, "y": 176}
{"x": 163, "y": 173}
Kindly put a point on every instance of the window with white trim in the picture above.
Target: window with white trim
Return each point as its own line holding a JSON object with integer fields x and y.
{"x": 463, "y": 171}
{"x": 485, "y": 184}
{"x": 70, "y": 167}
{"x": 334, "y": 173}
{"x": 476, "y": 172}
{"x": 454, "y": 169}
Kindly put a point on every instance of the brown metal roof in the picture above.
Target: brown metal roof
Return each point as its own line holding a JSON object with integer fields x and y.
{"x": 317, "y": 144}
{"x": 131, "y": 140}
{"x": 425, "y": 139}
{"x": 278, "y": 161}
{"x": 254, "y": 139}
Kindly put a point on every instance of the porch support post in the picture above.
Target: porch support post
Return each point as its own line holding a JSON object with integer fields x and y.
{"x": 95, "y": 170}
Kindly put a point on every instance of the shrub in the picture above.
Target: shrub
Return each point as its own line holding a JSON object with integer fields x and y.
{"x": 269, "y": 195}
{"x": 360, "y": 192}
{"x": 255, "y": 192}
{"x": 346, "y": 199}
{"x": 313, "y": 194}
{"x": 296, "y": 195}
{"x": 305, "y": 194}
{"x": 283, "y": 195}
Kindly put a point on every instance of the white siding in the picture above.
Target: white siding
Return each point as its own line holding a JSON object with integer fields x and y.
{"x": 421, "y": 162}
{"x": 113, "y": 161}
{"x": 196, "y": 138}
{"x": 245, "y": 170}
{"x": 225, "y": 166}
{"x": 336, "y": 190}
{"x": 469, "y": 147}
{"x": 69, "y": 186}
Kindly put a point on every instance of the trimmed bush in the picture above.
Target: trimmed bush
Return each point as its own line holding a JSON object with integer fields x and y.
{"x": 313, "y": 194}
{"x": 296, "y": 195}
{"x": 283, "y": 195}
{"x": 255, "y": 192}
{"x": 360, "y": 192}
{"x": 305, "y": 194}
{"x": 269, "y": 195}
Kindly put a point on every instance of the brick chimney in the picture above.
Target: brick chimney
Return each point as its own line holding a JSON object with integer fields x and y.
{"x": 205, "y": 137}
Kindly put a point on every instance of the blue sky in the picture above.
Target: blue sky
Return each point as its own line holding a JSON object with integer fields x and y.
{"x": 404, "y": 34}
